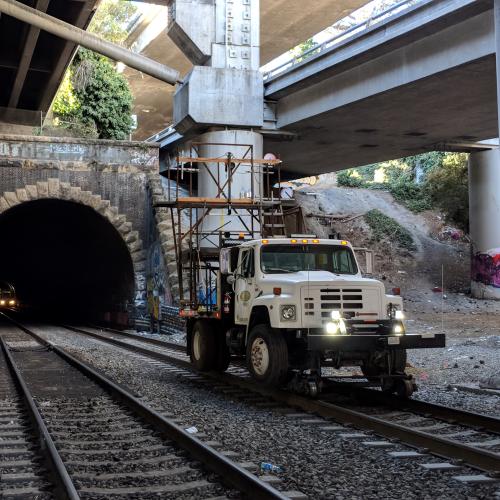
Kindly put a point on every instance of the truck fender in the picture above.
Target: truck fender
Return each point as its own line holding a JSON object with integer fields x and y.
{"x": 259, "y": 315}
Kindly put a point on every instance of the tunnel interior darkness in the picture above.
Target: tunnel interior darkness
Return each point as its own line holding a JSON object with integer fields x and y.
{"x": 65, "y": 259}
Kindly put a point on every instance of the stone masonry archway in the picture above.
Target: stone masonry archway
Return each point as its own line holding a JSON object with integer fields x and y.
{"x": 54, "y": 189}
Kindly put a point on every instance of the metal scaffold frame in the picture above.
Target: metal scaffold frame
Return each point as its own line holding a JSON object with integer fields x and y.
{"x": 198, "y": 266}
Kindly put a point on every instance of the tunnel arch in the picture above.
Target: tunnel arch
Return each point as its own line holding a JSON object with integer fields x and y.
{"x": 94, "y": 218}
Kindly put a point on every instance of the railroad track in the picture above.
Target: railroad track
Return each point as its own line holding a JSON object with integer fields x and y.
{"x": 104, "y": 441}
{"x": 458, "y": 435}
{"x": 24, "y": 469}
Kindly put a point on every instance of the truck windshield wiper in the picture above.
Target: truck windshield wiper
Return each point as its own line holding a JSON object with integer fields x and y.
{"x": 279, "y": 270}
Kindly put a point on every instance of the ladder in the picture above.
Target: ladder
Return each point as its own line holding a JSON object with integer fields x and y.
{"x": 273, "y": 221}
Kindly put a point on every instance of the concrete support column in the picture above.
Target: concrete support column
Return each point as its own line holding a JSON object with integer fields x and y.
{"x": 484, "y": 196}
{"x": 241, "y": 144}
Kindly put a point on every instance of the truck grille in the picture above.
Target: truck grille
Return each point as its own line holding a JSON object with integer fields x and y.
{"x": 346, "y": 300}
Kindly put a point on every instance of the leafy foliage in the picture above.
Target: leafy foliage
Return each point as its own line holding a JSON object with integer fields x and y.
{"x": 448, "y": 188}
{"x": 348, "y": 178}
{"x": 66, "y": 102}
{"x": 111, "y": 19}
{"x": 443, "y": 183}
{"x": 384, "y": 227}
{"x": 300, "y": 51}
{"x": 94, "y": 99}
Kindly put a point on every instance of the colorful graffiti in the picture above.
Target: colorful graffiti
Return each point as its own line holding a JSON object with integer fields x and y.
{"x": 486, "y": 268}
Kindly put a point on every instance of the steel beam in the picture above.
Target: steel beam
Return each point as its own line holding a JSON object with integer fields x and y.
{"x": 68, "y": 32}
{"x": 27, "y": 56}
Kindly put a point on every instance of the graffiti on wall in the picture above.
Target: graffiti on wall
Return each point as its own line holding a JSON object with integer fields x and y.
{"x": 486, "y": 268}
{"x": 158, "y": 294}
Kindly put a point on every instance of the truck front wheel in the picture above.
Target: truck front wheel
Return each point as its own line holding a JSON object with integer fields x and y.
{"x": 267, "y": 355}
{"x": 203, "y": 346}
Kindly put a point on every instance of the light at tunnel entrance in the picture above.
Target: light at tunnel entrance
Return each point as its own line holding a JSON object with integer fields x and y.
{"x": 65, "y": 259}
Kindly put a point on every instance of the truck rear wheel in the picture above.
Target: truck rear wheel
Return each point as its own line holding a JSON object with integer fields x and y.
{"x": 203, "y": 346}
{"x": 267, "y": 356}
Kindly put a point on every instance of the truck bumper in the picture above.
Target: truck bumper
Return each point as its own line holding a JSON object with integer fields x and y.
{"x": 374, "y": 342}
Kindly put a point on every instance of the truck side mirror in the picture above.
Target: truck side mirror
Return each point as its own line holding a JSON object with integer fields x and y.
{"x": 369, "y": 259}
{"x": 230, "y": 279}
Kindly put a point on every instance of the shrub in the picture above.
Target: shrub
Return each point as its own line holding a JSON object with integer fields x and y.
{"x": 350, "y": 178}
{"x": 448, "y": 188}
{"x": 411, "y": 195}
{"x": 384, "y": 227}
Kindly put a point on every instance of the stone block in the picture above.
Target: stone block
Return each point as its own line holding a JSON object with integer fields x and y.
{"x": 3, "y": 204}
{"x": 94, "y": 201}
{"x": 22, "y": 195}
{"x": 54, "y": 188}
{"x": 43, "y": 189}
{"x": 32, "y": 191}
{"x": 134, "y": 246}
{"x": 131, "y": 237}
{"x": 125, "y": 228}
{"x": 74, "y": 193}
{"x": 11, "y": 198}
{"x": 65, "y": 190}
{"x": 86, "y": 198}
{"x": 172, "y": 267}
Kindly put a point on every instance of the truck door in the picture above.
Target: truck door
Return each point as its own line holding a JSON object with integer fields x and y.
{"x": 244, "y": 286}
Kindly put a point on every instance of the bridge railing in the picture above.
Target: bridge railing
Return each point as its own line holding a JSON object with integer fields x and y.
{"x": 340, "y": 37}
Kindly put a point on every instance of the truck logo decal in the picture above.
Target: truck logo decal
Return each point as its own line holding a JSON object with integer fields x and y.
{"x": 245, "y": 296}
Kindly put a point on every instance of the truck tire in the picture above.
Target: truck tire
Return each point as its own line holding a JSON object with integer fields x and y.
{"x": 203, "y": 346}
{"x": 267, "y": 356}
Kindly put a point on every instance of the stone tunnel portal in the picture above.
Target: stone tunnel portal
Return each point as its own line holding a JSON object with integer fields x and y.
{"x": 65, "y": 260}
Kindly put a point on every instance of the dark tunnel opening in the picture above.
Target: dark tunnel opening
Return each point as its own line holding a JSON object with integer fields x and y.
{"x": 65, "y": 260}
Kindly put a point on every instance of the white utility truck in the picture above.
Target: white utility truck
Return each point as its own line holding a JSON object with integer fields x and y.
{"x": 291, "y": 306}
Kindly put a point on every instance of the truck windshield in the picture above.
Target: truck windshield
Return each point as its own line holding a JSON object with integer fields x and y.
{"x": 276, "y": 259}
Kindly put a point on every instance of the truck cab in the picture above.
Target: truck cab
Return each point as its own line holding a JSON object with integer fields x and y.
{"x": 291, "y": 306}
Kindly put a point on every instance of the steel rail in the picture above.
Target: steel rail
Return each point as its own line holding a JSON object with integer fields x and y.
{"x": 230, "y": 473}
{"x": 438, "y": 445}
{"x": 63, "y": 483}
{"x": 134, "y": 336}
{"x": 447, "y": 414}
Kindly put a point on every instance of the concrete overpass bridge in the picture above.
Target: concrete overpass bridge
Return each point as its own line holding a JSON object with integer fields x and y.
{"x": 33, "y": 62}
{"x": 421, "y": 80}
{"x": 283, "y": 26}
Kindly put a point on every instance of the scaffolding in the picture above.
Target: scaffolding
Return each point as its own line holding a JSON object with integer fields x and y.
{"x": 258, "y": 212}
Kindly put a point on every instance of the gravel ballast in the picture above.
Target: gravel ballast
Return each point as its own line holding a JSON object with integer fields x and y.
{"x": 321, "y": 464}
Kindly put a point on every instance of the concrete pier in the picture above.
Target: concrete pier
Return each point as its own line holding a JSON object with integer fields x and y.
{"x": 484, "y": 194}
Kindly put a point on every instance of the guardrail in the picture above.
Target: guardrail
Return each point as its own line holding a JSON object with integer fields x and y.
{"x": 353, "y": 30}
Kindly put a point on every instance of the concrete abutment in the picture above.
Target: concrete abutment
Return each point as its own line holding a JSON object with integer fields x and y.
{"x": 484, "y": 195}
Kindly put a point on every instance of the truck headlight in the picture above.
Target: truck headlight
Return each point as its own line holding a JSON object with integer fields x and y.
{"x": 12, "y": 302}
{"x": 399, "y": 329}
{"x": 332, "y": 328}
{"x": 337, "y": 325}
{"x": 2, "y": 302}
{"x": 288, "y": 313}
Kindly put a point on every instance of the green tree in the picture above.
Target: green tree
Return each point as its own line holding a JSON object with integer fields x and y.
{"x": 111, "y": 20}
{"x": 94, "y": 99}
{"x": 448, "y": 188}
{"x": 105, "y": 99}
